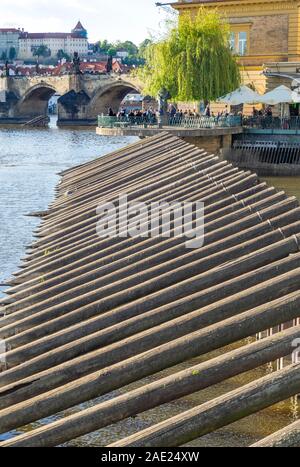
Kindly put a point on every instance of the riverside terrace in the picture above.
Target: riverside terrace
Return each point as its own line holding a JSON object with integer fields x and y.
{"x": 239, "y": 139}
{"x": 210, "y": 133}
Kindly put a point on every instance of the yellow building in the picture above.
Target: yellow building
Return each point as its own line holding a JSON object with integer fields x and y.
{"x": 264, "y": 33}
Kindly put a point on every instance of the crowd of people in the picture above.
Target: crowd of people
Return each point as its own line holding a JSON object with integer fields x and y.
{"x": 173, "y": 113}
{"x": 148, "y": 115}
{"x": 177, "y": 115}
{"x": 266, "y": 112}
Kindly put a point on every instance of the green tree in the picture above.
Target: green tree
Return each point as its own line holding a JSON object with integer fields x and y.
{"x": 129, "y": 46}
{"x": 104, "y": 46}
{"x": 12, "y": 53}
{"x": 4, "y": 56}
{"x": 63, "y": 55}
{"x": 193, "y": 61}
{"x": 112, "y": 51}
{"x": 143, "y": 47}
{"x": 41, "y": 51}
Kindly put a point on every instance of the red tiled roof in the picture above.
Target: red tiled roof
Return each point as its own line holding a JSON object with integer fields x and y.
{"x": 9, "y": 30}
{"x": 45, "y": 35}
{"x": 48, "y": 35}
{"x": 79, "y": 27}
{"x": 96, "y": 67}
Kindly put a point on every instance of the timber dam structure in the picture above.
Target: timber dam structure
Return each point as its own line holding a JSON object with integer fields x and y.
{"x": 89, "y": 317}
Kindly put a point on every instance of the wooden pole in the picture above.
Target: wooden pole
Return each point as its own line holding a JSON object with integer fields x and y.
{"x": 140, "y": 261}
{"x": 111, "y": 297}
{"x": 124, "y": 364}
{"x": 122, "y": 323}
{"x": 219, "y": 412}
{"x": 60, "y": 279}
{"x": 286, "y": 438}
{"x": 145, "y": 398}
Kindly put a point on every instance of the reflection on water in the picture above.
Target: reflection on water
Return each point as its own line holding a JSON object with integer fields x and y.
{"x": 29, "y": 163}
{"x": 291, "y": 185}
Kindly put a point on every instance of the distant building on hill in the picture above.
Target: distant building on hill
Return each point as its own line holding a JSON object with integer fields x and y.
{"x": 75, "y": 41}
{"x": 9, "y": 42}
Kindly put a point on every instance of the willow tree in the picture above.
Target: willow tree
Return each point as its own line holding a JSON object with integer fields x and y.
{"x": 193, "y": 61}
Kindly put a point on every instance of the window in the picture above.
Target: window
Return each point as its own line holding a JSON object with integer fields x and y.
{"x": 232, "y": 41}
{"x": 242, "y": 43}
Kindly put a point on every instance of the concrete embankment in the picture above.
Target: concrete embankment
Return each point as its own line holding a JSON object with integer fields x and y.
{"x": 87, "y": 315}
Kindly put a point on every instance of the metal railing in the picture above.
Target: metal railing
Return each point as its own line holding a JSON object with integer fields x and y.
{"x": 265, "y": 152}
{"x": 176, "y": 121}
{"x": 272, "y": 123}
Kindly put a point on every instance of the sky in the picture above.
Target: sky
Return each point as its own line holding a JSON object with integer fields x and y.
{"x": 104, "y": 19}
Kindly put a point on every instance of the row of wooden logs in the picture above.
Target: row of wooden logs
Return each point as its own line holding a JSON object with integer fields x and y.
{"x": 86, "y": 315}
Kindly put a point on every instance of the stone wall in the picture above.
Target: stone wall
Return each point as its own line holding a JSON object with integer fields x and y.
{"x": 268, "y": 34}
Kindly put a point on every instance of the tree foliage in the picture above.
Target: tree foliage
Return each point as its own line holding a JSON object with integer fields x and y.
{"x": 193, "y": 61}
{"x": 61, "y": 54}
{"x": 41, "y": 51}
{"x": 12, "y": 53}
{"x": 135, "y": 53}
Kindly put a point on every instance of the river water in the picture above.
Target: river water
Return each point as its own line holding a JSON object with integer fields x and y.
{"x": 29, "y": 163}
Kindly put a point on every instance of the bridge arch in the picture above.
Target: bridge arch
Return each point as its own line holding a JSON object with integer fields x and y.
{"x": 110, "y": 96}
{"x": 35, "y": 101}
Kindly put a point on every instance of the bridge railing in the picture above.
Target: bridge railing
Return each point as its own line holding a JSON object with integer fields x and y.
{"x": 272, "y": 123}
{"x": 176, "y": 121}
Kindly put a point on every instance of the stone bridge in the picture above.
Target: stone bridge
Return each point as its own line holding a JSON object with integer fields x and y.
{"x": 82, "y": 99}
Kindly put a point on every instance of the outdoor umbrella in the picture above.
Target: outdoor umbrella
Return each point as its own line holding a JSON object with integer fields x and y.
{"x": 242, "y": 95}
{"x": 280, "y": 95}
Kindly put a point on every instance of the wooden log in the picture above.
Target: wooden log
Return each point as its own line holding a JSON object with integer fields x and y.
{"x": 61, "y": 277}
{"x": 140, "y": 261}
{"x": 213, "y": 194}
{"x": 286, "y": 438}
{"x": 90, "y": 254}
{"x": 114, "y": 157}
{"x": 196, "y": 343}
{"x": 147, "y": 179}
{"x": 91, "y": 233}
{"x": 215, "y": 197}
{"x": 168, "y": 193}
{"x": 82, "y": 234}
{"x": 79, "y": 228}
{"x": 226, "y": 231}
{"x": 157, "y": 156}
{"x": 122, "y": 323}
{"x": 157, "y": 180}
{"x": 219, "y": 412}
{"x": 65, "y": 246}
{"x": 223, "y": 207}
{"x": 183, "y": 169}
{"x": 27, "y": 318}
{"x": 137, "y": 401}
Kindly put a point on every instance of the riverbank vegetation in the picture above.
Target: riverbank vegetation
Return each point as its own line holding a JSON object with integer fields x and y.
{"x": 131, "y": 53}
{"x": 193, "y": 61}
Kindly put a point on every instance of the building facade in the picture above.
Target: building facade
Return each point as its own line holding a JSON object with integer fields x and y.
{"x": 9, "y": 42}
{"x": 262, "y": 32}
{"x": 75, "y": 41}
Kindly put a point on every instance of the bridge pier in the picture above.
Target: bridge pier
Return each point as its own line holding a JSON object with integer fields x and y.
{"x": 83, "y": 97}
